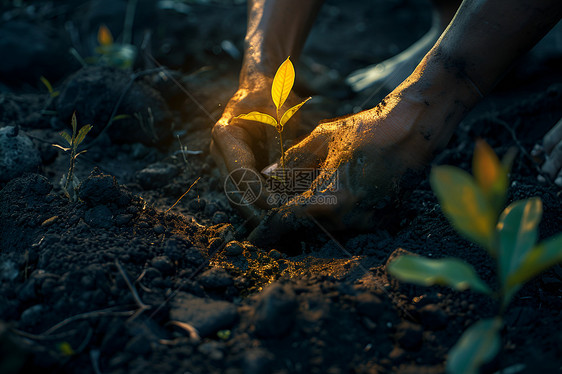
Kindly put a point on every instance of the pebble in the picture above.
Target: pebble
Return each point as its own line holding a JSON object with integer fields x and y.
{"x": 409, "y": 335}
{"x": 18, "y": 155}
{"x": 156, "y": 175}
{"x": 123, "y": 219}
{"x": 206, "y": 315}
{"x": 369, "y": 305}
{"x": 32, "y": 315}
{"x": 233, "y": 248}
{"x": 220, "y": 217}
{"x": 215, "y": 278}
{"x": 163, "y": 264}
{"x": 275, "y": 311}
{"x": 159, "y": 229}
{"x": 433, "y": 317}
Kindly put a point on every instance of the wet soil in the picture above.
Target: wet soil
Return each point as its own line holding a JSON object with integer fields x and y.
{"x": 122, "y": 282}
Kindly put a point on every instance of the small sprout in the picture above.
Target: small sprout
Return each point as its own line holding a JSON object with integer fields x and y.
{"x": 66, "y": 349}
{"x": 49, "y": 87}
{"x": 474, "y": 205}
{"x": 280, "y": 89}
{"x": 73, "y": 142}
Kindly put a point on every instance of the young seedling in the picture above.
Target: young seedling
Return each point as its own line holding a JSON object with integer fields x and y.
{"x": 49, "y": 87}
{"x": 121, "y": 55}
{"x": 70, "y": 182}
{"x": 280, "y": 89}
{"x": 474, "y": 205}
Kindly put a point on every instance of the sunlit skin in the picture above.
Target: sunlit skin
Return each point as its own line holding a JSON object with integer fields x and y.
{"x": 373, "y": 149}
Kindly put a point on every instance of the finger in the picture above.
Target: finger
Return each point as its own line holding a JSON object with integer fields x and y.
{"x": 231, "y": 147}
{"x": 553, "y": 163}
{"x": 553, "y": 137}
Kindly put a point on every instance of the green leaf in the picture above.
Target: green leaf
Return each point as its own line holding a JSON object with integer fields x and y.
{"x": 66, "y": 349}
{"x": 464, "y": 205}
{"x": 282, "y": 83}
{"x": 82, "y": 134}
{"x": 47, "y": 84}
{"x": 479, "y": 344}
{"x": 517, "y": 229}
{"x": 259, "y": 117}
{"x": 66, "y": 137}
{"x": 79, "y": 153}
{"x": 450, "y": 272}
{"x": 74, "y": 125}
{"x": 546, "y": 254}
{"x": 61, "y": 147}
{"x": 290, "y": 112}
{"x": 490, "y": 175}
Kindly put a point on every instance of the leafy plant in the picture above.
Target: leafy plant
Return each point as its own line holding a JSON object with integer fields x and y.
{"x": 121, "y": 55}
{"x": 473, "y": 205}
{"x": 280, "y": 89}
{"x": 70, "y": 182}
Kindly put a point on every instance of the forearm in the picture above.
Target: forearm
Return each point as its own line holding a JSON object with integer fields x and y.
{"x": 276, "y": 29}
{"x": 486, "y": 36}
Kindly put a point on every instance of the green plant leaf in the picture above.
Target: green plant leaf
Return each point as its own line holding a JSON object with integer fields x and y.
{"x": 259, "y": 117}
{"x": 464, "y": 205}
{"x": 517, "y": 229}
{"x": 66, "y": 137}
{"x": 61, "y": 147}
{"x": 47, "y": 84}
{"x": 282, "y": 83}
{"x": 450, "y": 272}
{"x": 79, "y": 153}
{"x": 490, "y": 175}
{"x": 82, "y": 134}
{"x": 290, "y": 112}
{"x": 479, "y": 344}
{"x": 74, "y": 123}
{"x": 544, "y": 255}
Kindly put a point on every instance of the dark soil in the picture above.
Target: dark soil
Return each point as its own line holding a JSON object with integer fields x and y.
{"x": 117, "y": 282}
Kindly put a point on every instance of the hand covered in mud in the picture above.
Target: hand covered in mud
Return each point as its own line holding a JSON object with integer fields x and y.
{"x": 551, "y": 149}
{"x": 362, "y": 161}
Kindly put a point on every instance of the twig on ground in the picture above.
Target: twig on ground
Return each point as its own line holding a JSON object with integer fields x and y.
{"x": 141, "y": 306}
{"x": 181, "y": 197}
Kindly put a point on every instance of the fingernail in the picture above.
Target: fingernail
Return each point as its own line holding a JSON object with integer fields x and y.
{"x": 558, "y": 181}
{"x": 537, "y": 150}
{"x": 271, "y": 169}
{"x": 541, "y": 179}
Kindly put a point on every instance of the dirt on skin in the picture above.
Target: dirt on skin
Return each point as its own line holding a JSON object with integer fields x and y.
{"x": 119, "y": 283}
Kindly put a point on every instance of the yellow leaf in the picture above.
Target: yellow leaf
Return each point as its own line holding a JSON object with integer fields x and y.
{"x": 490, "y": 175}
{"x": 289, "y": 113}
{"x": 104, "y": 36}
{"x": 282, "y": 83}
{"x": 259, "y": 117}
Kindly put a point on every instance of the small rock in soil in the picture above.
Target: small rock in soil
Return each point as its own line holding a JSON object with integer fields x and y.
{"x": 369, "y": 305}
{"x": 206, "y": 315}
{"x": 257, "y": 361}
{"x": 433, "y": 317}
{"x": 18, "y": 155}
{"x": 233, "y": 248}
{"x": 159, "y": 229}
{"x": 215, "y": 278}
{"x": 156, "y": 175}
{"x": 275, "y": 311}
{"x": 32, "y": 315}
{"x": 220, "y": 217}
{"x": 163, "y": 264}
{"x": 409, "y": 335}
{"x": 99, "y": 216}
{"x": 123, "y": 219}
